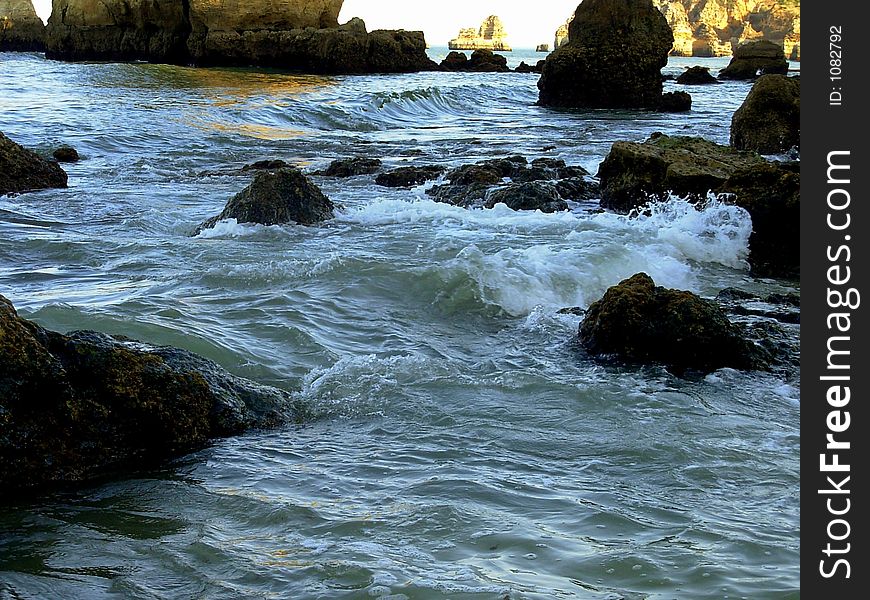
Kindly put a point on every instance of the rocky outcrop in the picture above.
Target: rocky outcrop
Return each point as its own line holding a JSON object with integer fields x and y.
{"x": 490, "y": 36}
{"x": 481, "y": 61}
{"x": 696, "y": 76}
{"x": 84, "y": 405}
{"x": 409, "y": 176}
{"x": 351, "y": 167}
{"x": 301, "y": 35}
{"x": 770, "y": 192}
{"x": 613, "y": 59}
{"x": 561, "y": 37}
{"x": 66, "y": 154}
{"x": 641, "y": 322}
{"x": 755, "y": 58}
{"x": 718, "y": 27}
{"x": 769, "y": 120}
{"x": 523, "y": 67}
{"x": 542, "y": 48}
{"x": 276, "y": 198}
{"x": 22, "y": 170}
{"x": 632, "y": 174}
{"x": 21, "y": 29}
{"x": 532, "y": 195}
{"x": 675, "y": 102}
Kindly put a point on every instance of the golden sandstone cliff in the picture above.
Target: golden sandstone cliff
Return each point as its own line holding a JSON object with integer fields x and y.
{"x": 21, "y": 29}
{"x": 490, "y": 36}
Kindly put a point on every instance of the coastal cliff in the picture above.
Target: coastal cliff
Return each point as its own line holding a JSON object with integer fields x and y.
{"x": 490, "y": 36}
{"x": 21, "y": 29}
{"x": 297, "y": 35}
{"x": 717, "y": 27}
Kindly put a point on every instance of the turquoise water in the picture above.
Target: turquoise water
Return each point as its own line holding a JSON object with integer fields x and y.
{"x": 463, "y": 445}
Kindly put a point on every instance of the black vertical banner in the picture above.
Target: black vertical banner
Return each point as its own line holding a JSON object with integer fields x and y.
{"x": 835, "y": 360}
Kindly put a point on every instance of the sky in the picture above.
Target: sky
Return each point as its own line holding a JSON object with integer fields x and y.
{"x": 528, "y": 22}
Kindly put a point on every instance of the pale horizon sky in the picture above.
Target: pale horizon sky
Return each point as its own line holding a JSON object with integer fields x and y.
{"x": 527, "y": 23}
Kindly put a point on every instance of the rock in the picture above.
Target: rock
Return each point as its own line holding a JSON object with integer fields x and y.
{"x": 22, "y": 170}
{"x": 490, "y": 36}
{"x": 464, "y": 195}
{"x": 266, "y": 165}
{"x": 455, "y": 61}
{"x": 678, "y": 20}
{"x": 577, "y": 189}
{"x": 538, "y": 67}
{"x": 350, "y": 167}
{"x": 533, "y": 195}
{"x": 21, "y": 29}
{"x": 85, "y": 405}
{"x": 756, "y": 58}
{"x": 561, "y": 37}
{"x": 632, "y": 173}
{"x": 409, "y": 176}
{"x": 675, "y": 102}
{"x": 770, "y": 192}
{"x": 613, "y": 59}
{"x": 275, "y": 198}
{"x": 640, "y": 322}
{"x": 298, "y": 35}
{"x": 696, "y": 76}
{"x": 769, "y": 120}
{"x": 542, "y": 48}
{"x": 66, "y": 154}
{"x": 777, "y": 307}
{"x": 485, "y": 61}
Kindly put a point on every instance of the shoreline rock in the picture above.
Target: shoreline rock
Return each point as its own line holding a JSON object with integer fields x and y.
{"x": 641, "y": 322}
{"x": 697, "y": 75}
{"x": 22, "y": 170}
{"x": 21, "y": 29}
{"x": 86, "y": 405}
{"x": 769, "y": 120}
{"x": 753, "y": 59}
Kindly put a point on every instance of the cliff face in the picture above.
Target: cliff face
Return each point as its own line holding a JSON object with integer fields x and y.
{"x": 717, "y": 27}
{"x": 562, "y": 35}
{"x": 21, "y": 29}
{"x": 490, "y": 36}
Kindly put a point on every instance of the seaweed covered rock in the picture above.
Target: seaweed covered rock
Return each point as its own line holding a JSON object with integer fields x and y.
{"x": 409, "y": 176}
{"x": 771, "y": 194}
{"x": 641, "y": 322}
{"x": 533, "y": 195}
{"x": 84, "y": 405}
{"x": 21, "y": 29}
{"x": 613, "y": 58}
{"x": 769, "y": 120}
{"x": 351, "y": 167}
{"x": 756, "y": 58}
{"x": 275, "y": 198}
{"x": 632, "y": 174}
{"x": 22, "y": 170}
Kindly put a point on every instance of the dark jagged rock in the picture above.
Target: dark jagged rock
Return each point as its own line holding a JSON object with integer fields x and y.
{"x": 66, "y": 154}
{"x": 533, "y": 195}
{"x": 632, "y": 174}
{"x": 538, "y": 67}
{"x": 675, "y": 102}
{"x": 770, "y": 192}
{"x": 463, "y": 195}
{"x": 756, "y": 58}
{"x": 351, "y": 167}
{"x": 22, "y": 170}
{"x": 266, "y": 165}
{"x": 21, "y": 29}
{"x": 409, "y": 176}
{"x": 696, "y": 76}
{"x": 769, "y": 120}
{"x": 486, "y": 61}
{"x": 85, "y": 405}
{"x": 578, "y": 189}
{"x": 613, "y": 58}
{"x": 455, "y": 61}
{"x": 639, "y": 321}
{"x": 275, "y": 198}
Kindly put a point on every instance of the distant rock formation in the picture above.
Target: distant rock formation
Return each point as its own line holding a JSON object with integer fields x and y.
{"x": 300, "y": 35}
{"x": 754, "y": 58}
{"x": 613, "y": 59}
{"x": 718, "y": 27}
{"x": 21, "y": 29}
{"x": 543, "y": 48}
{"x": 562, "y": 35}
{"x": 490, "y": 36}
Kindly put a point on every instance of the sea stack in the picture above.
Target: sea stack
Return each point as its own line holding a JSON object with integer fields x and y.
{"x": 613, "y": 58}
{"x": 490, "y": 36}
{"x": 21, "y": 29}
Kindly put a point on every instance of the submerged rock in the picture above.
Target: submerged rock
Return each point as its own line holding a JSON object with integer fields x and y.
{"x": 533, "y": 195}
{"x": 675, "y": 102}
{"x": 276, "y": 198}
{"x": 771, "y": 194}
{"x": 696, "y": 76}
{"x": 613, "y": 58}
{"x": 639, "y": 321}
{"x": 409, "y": 176}
{"x": 66, "y": 154}
{"x": 21, "y": 29}
{"x": 266, "y": 165}
{"x": 351, "y": 167}
{"x": 769, "y": 120}
{"x": 756, "y": 58}
{"x": 22, "y": 170}
{"x": 632, "y": 174}
{"x": 85, "y": 405}
{"x": 490, "y": 36}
